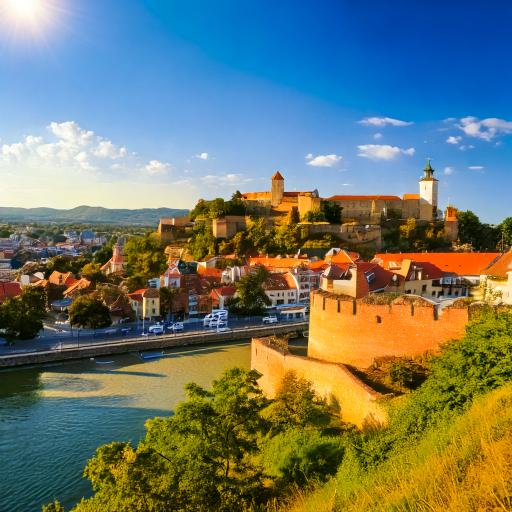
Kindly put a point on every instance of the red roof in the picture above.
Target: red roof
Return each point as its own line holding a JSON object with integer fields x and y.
{"x": 277, "y": 176}
{"x": 363, "y": 198}
{"x": 283, "y": 263}
{"x": 460, "y": 263}
{"x": 9, "y": 290}
{"x": 411, "y": 196}
{"x": 224, "y": 291}
{"x": 500, "y": 266}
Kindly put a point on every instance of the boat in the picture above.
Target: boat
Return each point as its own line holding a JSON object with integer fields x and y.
{"x": 150, "y": 355}
{"x": 104, "y": 362}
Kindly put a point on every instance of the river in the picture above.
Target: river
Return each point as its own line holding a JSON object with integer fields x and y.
{"x": 52, "y": 418}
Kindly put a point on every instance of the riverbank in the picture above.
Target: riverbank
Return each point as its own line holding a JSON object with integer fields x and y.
{"x": 136, "y": 344}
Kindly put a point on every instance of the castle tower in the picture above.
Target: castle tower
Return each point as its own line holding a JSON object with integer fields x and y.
{"x": 451, "y": 223}
{"x": 428, "y": 194}
{"x": 277, "y": 190}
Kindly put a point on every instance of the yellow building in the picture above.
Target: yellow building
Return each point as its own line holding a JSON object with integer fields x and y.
{"x": 145, "y": 303}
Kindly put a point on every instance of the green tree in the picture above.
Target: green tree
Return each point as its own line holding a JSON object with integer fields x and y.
{"x": 250, "y": 298}
{"x": 22, "y": 317}
{"x": 331, "y": 211}
{"x": 472, "y": 231}
{"x": 297, "y": 406}
{"x": 294, "y": 216}
{"x": 145, "y": 256}
{"x": 90, "y": 312}
{"x": 55, "y": 506}
{"x": 314, "y": 216}
{"x": 169, "y": 300}
{"x": 286, "y": 239}
{"x": 92, "y": 272}
{"x": 297, "y": 456}
{"x": 102, "y": 255}
{"x": 200, "y": 459}
{"x": 505, "y": 230}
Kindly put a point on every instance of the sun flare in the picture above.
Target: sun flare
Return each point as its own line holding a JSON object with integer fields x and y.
{"x": 25, "y": 9}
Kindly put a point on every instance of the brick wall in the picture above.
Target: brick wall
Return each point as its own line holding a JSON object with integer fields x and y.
{"x": 355, "y": 333}
{"x": 358, "y": 403}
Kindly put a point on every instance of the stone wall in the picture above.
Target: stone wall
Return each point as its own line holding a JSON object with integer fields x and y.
{"x": 357, "y": 402}
{"x": 355, "y": 333}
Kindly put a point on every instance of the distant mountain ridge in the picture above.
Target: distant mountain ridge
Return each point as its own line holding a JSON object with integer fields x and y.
{"x": 90, "y": 214}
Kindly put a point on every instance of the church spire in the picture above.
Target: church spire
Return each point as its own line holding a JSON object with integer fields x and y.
{"x": 429, "y": 172}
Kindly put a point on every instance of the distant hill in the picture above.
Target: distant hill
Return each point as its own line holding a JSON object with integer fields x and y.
{"x": 90, "y": 215}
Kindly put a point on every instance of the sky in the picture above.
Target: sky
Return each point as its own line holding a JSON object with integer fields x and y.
{"x": 150, "y": 103}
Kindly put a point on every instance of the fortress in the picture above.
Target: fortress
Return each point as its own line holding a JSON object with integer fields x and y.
{"x": 347, "y": 334}
{"x": 358, "y": 208}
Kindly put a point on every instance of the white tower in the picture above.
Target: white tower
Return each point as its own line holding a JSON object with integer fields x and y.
{"x": 428, "y": 194}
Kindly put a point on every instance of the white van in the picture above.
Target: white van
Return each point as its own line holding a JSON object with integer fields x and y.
{"x": 156, "y": 329}
{"x": 218, "y": 314}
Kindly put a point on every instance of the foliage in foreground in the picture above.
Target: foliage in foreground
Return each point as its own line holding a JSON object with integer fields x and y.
{"x": 439, "y": 439}
{"x": 225, "y": 449}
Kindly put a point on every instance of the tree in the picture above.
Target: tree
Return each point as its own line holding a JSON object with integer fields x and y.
{"x": 202, "y": 458}
{"x": 331, "y": 211}
{"x": 505, "y": 229}
{"x": 90, "y": 312}
{"x": 145, "y": 256}
{"x": 286, "y": 239}
{"x": 472, "y": 231}
{"x": 22, "y": 317}
{"x": 314, "y": 216}
{"x": 250, "y": 298}
{"x": 169, "y": 300}
{"x": 294, "y": 216}
{"x": 92, "y": 272}
{"x": 102, "y": 255}
{"x": 296, "y": 405}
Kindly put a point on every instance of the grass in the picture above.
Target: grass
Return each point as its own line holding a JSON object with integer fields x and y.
{"x": 462, "y": 465}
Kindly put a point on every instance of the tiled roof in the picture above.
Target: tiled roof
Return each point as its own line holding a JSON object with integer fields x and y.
{"x": 81, "y": 284}
{"x": 277, "y": 176}
{"x": 8, "y": 290}
{"x": 224, "y": 291}
{"x": 460, "y": 263}
{"x": 61, "y": 278}
{"x": 364, "y": 198}
{"x": 277, "y": 282}
{"x": 276, "y": 262}
{"x": 411, "y": 196}
{"x": 208, "y": 271}
{"x": 381, "y": 277}
{"x": 344, "y": 257}
{"x": 500, "y": 266}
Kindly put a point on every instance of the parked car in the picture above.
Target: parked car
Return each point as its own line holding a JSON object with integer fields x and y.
{"x": 270, "y": 319}
{"x": 217, "y": 323}
{"x": 156, "y": 329}
{"x": 125, "y": 330}
{"x": 176, "y": 326}
{"x": 221, "y": 314}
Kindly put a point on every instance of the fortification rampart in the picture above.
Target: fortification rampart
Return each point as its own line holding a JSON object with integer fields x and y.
{"x": 357, "y": 402}
{"x": 349, "y": 331}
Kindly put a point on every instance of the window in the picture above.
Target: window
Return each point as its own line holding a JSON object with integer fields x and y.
{"x": 424, "y": 288}
{"x": 378, "y": 319}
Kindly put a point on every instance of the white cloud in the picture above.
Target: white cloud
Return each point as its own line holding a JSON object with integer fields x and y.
{"x": 377, "y": 136}
{"x": 323, "y": 160}
{"x": 465, "y": 147}
{"x": 453, "y": 139}
{"x": 72, "y": 148}
{"x": 203, "y": 156}
{"x": 485, "y": 129}
{"x": 476, "y": 167}
{"x": 229, "y": 179}
{"x": 157, "y": 167}
{"x": 383, "y": 121}
{"x": 383, "y": 151}
{"x": 448, "y": 170}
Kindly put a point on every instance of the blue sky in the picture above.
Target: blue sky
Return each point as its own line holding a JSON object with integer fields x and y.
{"x": 157, "y": 103}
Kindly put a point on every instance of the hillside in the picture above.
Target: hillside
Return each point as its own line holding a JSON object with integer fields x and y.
{"x": 90, "y": 214}
{"x": 461, "y": 465}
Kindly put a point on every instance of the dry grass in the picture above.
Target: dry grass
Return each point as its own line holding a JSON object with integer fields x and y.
{"x": 463, "y": 466}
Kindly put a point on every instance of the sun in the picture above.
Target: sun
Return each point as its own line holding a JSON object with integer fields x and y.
{"x": 25, "y": 10}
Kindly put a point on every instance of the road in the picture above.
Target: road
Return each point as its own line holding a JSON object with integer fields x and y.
{"x": 51, "y": 339}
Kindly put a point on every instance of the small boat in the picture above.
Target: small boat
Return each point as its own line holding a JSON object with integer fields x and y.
{"x": 104, "y": 362}
{"x": 150, "y": 355}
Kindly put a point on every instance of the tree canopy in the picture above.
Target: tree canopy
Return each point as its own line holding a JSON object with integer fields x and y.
{"x": 90, "y": 312}
{"x": 250, "y": 298}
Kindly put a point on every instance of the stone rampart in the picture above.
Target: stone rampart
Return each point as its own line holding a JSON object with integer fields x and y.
{"x": 357, "y": 402}
{"x": 353, "y": 332}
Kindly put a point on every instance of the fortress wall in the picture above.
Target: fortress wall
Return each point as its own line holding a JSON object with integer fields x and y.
{"x": 356, "y": 333}
{"x": 357, "y": 402}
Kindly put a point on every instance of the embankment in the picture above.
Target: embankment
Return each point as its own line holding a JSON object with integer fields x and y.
{"x": 154, "y": 343}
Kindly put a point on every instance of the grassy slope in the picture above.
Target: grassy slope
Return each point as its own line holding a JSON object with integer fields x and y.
{"x": 465, "y": 465}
